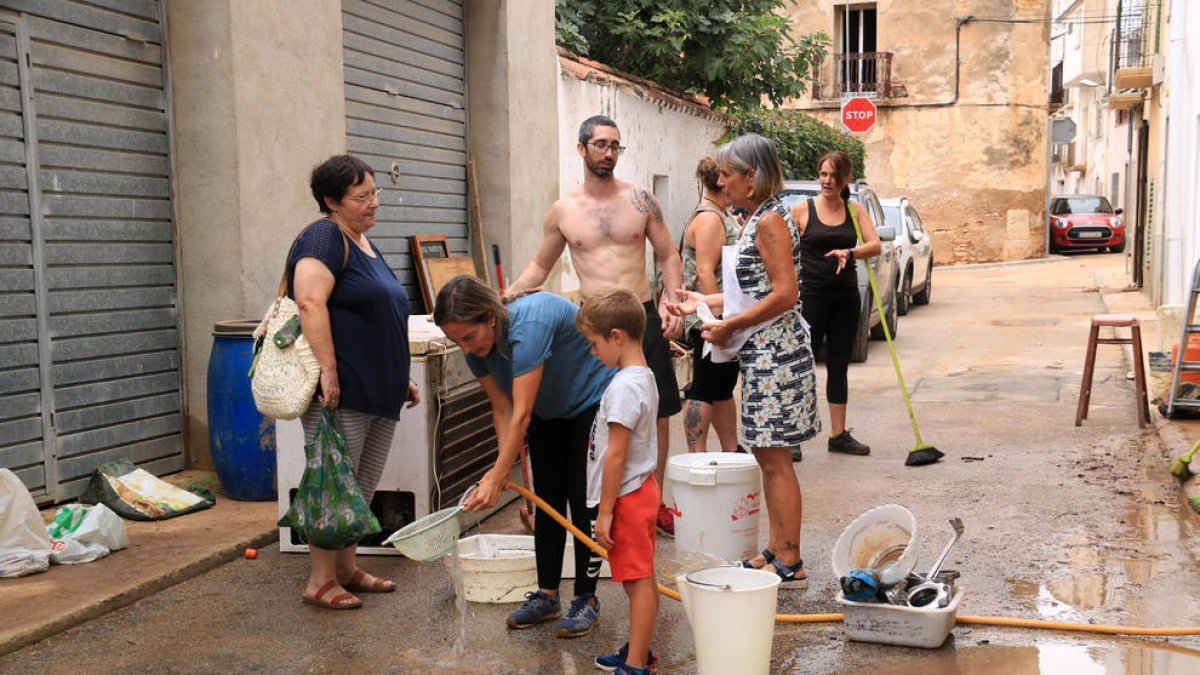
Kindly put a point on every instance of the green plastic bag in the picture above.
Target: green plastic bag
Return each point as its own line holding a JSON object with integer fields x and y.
{"x": 328, "y": 510}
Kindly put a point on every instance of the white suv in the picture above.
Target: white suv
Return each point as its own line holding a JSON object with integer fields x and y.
{"x": 915, "y": 248}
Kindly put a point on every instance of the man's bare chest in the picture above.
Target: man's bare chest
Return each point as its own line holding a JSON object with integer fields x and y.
{"x": 604, "y": 225}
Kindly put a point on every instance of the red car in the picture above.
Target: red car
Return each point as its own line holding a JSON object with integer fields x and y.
{"x": 1085, "y": 221}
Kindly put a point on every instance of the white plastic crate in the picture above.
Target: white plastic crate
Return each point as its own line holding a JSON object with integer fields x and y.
{"x": 898, "y": 625}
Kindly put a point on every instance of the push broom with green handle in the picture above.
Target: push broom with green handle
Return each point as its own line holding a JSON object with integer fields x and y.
{"x": 923, "y": 453}
{"x": 1182, "y": 466}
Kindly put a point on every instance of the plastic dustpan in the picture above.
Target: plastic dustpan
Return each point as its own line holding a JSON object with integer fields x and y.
{"x": 884, "y": 539}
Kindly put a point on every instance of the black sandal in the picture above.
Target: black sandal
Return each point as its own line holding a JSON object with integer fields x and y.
{"x": 787, "y": 574}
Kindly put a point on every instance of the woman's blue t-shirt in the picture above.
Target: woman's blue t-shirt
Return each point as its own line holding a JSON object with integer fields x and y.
{"x": 541, "y": 330}
{"x": 368, "y": 315}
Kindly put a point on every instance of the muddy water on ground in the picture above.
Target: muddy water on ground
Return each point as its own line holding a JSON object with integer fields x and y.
{"x": 1051, "y": 657}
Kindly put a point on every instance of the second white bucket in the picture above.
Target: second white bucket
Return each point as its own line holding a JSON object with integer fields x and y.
{"x": 732, "y": 614}
{"x": 716, "y": 498}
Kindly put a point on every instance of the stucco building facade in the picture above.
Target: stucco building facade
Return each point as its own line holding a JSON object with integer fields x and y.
{"x": 961, "y": 90}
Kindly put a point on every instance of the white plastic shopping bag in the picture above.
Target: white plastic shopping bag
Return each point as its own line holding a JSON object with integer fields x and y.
{"x": 24, "y": 544}
{"x": 82, "y": 534}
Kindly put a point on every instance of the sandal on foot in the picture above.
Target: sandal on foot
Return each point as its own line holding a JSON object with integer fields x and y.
{"x": 380, "y": 585}
{"x": 342, "y": 600}
{"x": 787, "y": 573}
{"x": 767, "y": 556}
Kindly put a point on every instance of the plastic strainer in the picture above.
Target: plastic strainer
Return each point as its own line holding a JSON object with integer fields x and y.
{"x": 432, "y": 536}
{"x": 883, "y": 538}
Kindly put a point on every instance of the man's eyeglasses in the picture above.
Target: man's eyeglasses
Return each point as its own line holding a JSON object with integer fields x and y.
{"x": 363, "y": 199}
{"x": 605, "y": 146}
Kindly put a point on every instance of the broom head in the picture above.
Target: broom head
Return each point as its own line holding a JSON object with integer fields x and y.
{"x": 1181, "y": 468}
{"x": 922, "y": 455}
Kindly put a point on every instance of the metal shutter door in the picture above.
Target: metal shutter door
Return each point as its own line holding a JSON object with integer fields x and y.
{"x": 406, "y": 108}
{"x": 103, "y": 188}
{"x": 22, "y": 445}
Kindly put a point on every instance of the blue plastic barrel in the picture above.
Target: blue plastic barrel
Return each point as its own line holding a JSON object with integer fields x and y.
{"x": 241, "y": 440}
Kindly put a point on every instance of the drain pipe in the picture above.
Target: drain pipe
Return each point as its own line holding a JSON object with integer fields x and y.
{"x": 835, "y": 617}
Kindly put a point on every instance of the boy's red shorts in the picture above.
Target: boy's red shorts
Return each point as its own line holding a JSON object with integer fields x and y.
{"x": 632, "y": 554}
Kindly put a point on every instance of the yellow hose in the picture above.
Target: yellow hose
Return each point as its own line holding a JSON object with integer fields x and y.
{"x": 828, "y": 618}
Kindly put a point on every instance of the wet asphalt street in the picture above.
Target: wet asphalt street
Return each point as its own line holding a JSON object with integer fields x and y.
{"x": 1061, "y": 523}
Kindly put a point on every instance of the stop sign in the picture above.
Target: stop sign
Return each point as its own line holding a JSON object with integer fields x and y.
{"x": 858, "y": 114}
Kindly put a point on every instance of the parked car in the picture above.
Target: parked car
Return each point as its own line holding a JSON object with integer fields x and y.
{"x": 1085, "y": 221}
{"x": 885, "y": 265}
{"x": 914, "y": 249}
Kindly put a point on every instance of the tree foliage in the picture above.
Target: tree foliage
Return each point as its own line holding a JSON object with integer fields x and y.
{"x": 801, "y": 140}
{"x": 735, "y": 52}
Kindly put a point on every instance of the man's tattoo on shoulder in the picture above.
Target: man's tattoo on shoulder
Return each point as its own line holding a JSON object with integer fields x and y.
{"x": 645, "y": 203}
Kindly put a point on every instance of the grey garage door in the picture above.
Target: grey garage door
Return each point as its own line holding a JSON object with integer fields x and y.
{"x": 89, "y": 362}
{"x": 406, "y": 115}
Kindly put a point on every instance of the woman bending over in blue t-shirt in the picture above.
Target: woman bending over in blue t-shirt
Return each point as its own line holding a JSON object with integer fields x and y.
{"x": 544, "y": 386}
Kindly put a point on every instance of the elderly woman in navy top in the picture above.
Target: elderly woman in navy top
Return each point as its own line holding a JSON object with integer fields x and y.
{"x": 355, "y": 314}
{"x": 544, "y": 386}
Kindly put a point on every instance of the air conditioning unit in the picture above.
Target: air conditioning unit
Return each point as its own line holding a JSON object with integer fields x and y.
{"x": 442, "y": 446}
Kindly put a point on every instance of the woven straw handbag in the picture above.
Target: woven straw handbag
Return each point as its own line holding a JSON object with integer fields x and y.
{"x": 284, "y": 379}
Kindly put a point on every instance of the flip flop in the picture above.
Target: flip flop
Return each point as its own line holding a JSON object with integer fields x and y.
{"x": 381, "y": 585}
{"x": 336, "y": 602}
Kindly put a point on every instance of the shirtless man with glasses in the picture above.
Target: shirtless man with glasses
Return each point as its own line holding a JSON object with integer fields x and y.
{"x": 607, "y": 223}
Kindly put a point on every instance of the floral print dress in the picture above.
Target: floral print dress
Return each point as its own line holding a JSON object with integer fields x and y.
{"x": 779, "y": 385}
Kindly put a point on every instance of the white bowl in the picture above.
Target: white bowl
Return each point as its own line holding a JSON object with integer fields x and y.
{"x": 883, "y": 538}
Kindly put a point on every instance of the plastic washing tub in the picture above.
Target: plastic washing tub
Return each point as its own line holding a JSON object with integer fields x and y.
{"x": 497, "y": 568}
{"x": 898, "y": 625}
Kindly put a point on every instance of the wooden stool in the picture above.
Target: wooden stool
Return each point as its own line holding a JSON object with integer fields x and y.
{"x": 1089, "y": 365}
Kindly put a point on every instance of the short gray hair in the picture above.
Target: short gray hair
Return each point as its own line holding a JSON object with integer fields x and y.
{"x": 751, "y": 151}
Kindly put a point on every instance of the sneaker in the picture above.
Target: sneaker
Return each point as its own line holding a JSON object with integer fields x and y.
{"x": 538, "y": 607}
{"x": 626, "y": 669}
{"x": 665, "y": 522}
{"x": 610, "y": 662}
{"x": 847, "y": 444}
{"x": 581, "y": 616}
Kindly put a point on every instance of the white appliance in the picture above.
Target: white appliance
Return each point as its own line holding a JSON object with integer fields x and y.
{"x": 442, "y": 446}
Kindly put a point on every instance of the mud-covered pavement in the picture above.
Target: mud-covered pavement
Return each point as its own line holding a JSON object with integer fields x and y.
{"x": 1062, "y": 523}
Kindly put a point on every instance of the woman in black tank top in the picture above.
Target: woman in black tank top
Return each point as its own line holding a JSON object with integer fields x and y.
{"x": 830, "y": 303}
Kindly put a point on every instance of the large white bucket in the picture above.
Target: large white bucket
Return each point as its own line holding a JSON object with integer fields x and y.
{"x": 716, "y": 499}
{"x": 732, "y": 614}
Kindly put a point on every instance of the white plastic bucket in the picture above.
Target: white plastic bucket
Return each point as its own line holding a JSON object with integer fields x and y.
{"x": 732, "y": 614}
{"x": 716, "y": 498}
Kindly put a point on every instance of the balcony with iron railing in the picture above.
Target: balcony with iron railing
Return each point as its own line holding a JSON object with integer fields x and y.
{"x": 1133, "y": 49}
{"x": 867, "y": 74}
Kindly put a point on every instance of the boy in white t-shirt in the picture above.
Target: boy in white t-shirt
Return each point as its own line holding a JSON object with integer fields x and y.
{"x": 622, "y": 455}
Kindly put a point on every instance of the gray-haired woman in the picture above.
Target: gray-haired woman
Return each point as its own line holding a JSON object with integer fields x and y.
{"x": 779, "y": 402}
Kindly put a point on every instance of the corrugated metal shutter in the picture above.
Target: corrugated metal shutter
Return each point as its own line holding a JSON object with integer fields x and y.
{"x": 406, "y": 102}
{"x": 22, "y": 445}
{"x": 102, "y": 220}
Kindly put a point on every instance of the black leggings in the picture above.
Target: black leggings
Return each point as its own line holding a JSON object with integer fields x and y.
{"x": 558, "y": 457}
{"x": 833, "y": 318}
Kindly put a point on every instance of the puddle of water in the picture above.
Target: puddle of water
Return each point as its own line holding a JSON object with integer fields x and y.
{"x": 1050, "y": 605}
{"x": 1055, "y": 658}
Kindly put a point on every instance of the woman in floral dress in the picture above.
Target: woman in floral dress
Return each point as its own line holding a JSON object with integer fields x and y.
{"x": 779, "y": 402}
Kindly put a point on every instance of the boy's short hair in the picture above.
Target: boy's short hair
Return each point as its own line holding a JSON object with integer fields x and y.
{"x": 613, "y": 308}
